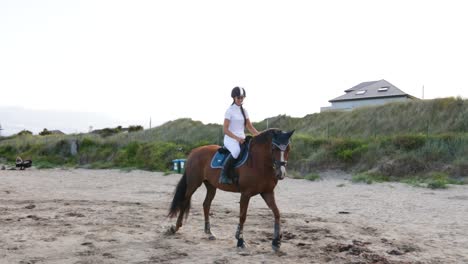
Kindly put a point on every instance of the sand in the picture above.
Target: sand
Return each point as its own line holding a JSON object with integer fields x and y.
{"x": 111, "y": 216}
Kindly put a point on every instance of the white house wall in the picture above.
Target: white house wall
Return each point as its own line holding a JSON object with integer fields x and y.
{"x": 349, "y": 105}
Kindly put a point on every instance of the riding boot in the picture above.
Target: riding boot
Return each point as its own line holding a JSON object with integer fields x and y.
{"x": 227, "y": 174}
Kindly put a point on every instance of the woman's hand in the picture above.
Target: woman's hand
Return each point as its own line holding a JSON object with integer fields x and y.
{"x": 240, "y": 140}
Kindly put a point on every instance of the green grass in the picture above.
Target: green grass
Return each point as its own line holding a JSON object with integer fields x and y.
{"x": 44, "y": 165}
{"x": 312, "y": 177}
{"x": 369, "y": 178}
{"x": 439, "y": 180}
{"x": 127, "y": 169}
{"x": 393, "y": 141}
{"x": 433, "y": 180}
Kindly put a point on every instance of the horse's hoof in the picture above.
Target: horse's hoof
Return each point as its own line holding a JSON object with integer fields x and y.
{"x": 212, "y": 237}
{"x": 171, "y": 230}
{"x": 275, "y": 248}
{"x": 241, "y": 243}
{"x": 276, "y": 244}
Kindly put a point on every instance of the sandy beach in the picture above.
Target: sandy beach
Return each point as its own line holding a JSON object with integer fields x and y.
{"x": 111, "y": 216}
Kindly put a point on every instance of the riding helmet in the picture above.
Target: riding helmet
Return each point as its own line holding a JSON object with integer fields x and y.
{"x": 238, "y": 91}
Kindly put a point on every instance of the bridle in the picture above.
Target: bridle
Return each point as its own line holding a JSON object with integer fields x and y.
{"x": 279, "y": 165}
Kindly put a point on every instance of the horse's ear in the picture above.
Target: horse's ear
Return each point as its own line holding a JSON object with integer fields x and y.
{"x": 291, "y": 132}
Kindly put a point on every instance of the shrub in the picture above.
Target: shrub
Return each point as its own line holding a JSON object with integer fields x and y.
{"x": 402, "y": 165}
{"x": 8, "y": 152}
{"x": 409, "y": 142}
{"x": 62, "y": 148}
{"x": 347, "y": 150}
{"x": 87, "y": 143}
{"x": 126, "y": 156}
{"x": 24, "y": 132}
{"x": 438, "y": 181}
{"x": 369, "y": 178}
{"x": 43, "y": 165}
{"x": 362, "y": 177}
{"x": 45, "y": 132}
{"x": 312, "y": 177}
{"x": 134, "y": 128}
{"x": 304, "y": 147}
{"x": 460, "y": 167}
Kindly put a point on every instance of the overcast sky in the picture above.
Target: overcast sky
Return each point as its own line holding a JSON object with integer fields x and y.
{"x": 132, "y": 60}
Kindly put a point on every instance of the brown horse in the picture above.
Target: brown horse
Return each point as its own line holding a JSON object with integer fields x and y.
{"x": 266, "y": 164}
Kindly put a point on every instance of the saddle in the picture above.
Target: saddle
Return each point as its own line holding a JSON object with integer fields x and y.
{"x": 220, "y": 157}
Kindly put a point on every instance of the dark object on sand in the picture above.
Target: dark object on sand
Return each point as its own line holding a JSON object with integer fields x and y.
{"x": 23, "y": 164}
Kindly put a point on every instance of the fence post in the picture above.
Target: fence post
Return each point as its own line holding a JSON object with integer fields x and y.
{"x": 375, "y": 127}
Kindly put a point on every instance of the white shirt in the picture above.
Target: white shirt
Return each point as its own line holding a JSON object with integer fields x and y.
{"x": 236, "y": 120}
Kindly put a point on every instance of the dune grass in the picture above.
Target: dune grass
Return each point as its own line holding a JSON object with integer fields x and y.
{"x": 396, "y": 142}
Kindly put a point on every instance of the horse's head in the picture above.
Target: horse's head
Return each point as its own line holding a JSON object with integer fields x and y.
{"x": 280, "y": 151}
{"x": 275, "y": 149}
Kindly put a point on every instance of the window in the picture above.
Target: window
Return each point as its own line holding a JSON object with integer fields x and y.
{"x": 361, "y": 92}
{"x": 383, "y": 88}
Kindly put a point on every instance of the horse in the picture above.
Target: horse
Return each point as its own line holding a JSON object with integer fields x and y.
{"x": 265, "y": 166}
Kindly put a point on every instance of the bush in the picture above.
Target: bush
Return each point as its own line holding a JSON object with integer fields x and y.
{"x": 45, "y": 132}
{"x": 43, "y": 165}
{"x": 348, "y": 150}
{"x": 312, "y": 177}
{"x": 126, "y": 156}
{"x": 362, "y": 177}
{"x": 305, "y": 145}
{"x": 409, "y": 142}
{"x": 62, "y": 148}
{"x": 369, "y": 178}
{"x": 460, "y": 167}
{"x": 8, "y": 152}
{"x": 87, "y": 143}
{"x": 24, "y": 132}
{"x": 134, "y": 128}
{"x": 437, "y": 180}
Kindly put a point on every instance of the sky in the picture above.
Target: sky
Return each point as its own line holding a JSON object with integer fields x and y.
{"x": 135, "y": 60}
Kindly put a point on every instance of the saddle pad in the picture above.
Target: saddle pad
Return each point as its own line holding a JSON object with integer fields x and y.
{"x": 218, "y": 160}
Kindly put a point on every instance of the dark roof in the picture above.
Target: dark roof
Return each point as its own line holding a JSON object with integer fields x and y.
{"x": 371, "y": 90}
{"x": 359, "y": 86}
{"x": 58, "y": 132}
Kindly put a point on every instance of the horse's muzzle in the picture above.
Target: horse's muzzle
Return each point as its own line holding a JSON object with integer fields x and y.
{"x": 281, "y": 173}
{"x": 280, "y": 169}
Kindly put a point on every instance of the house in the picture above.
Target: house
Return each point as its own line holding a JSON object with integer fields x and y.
{"x": 56, "y": 132}
{"x": 368, "y": 94}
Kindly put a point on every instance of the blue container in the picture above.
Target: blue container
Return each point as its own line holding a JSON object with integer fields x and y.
{"x": 179, "y": 165}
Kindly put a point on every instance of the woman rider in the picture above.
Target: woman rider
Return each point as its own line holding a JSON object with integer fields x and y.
{"x": 236, "y": 119}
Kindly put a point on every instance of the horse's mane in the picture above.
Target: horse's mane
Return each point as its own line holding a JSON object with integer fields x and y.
{"x": 265, "y": 136}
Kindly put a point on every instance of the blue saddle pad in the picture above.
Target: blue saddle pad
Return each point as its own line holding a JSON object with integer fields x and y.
{"x": 220, "y": 158}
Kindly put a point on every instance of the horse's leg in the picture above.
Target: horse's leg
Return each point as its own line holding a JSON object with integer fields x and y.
{"x": 270, "y": 201}
{"x": 210, "y": 194}
{"x": 244, "y": 205}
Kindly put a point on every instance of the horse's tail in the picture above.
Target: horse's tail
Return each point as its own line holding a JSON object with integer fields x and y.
{"x": 178, "y": 202}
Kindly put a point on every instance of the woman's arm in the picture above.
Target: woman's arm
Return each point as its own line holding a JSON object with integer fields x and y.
{"x": 251, "y": 128}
